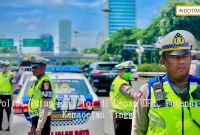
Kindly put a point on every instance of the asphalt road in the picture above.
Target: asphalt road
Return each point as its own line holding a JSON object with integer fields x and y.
{"x": 106, "y": 108}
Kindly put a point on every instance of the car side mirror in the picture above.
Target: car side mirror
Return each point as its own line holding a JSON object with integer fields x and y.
{"x": 16, "y": 92}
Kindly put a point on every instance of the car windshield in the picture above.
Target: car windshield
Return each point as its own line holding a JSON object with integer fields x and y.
{"x": 106, "y": 66}
{"x": 192, "y": 69}
{"x": 65, "y": 86}
{"x": 133, "y": 67}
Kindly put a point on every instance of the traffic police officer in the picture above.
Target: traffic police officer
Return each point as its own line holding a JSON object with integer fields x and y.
{"x": 122, "y": 99}
{"x": 42, "y": 101}
{"x": 169, "y": 104}
{"x": 7, "y": 80}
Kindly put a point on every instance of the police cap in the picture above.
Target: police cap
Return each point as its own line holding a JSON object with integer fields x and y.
{"x": 124, "y": 65}
{"x": 177, "y": 42}
{"x": 37, "y": 61}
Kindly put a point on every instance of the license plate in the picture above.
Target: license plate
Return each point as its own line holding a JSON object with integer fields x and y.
{"x": 110, "y": 76}
{"x": 62, "y": 115}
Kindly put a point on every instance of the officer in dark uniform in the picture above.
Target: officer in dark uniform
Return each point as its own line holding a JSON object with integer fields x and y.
{"x": 41, "y": 92}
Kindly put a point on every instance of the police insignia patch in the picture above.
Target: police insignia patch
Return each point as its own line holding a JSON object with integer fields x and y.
{"x": 178, "y": 40}
{"x": 46, "y": 85}
{"x": 138, "y": 95}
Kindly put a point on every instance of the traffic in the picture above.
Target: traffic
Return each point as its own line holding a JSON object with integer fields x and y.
{"x": 78, "y": 108}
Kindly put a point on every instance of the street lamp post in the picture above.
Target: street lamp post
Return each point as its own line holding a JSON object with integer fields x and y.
{"x": 139, "y": 50}
{"x": 75, "y": 34}
{"x": 106, "y": 45}
{"x": 20, "y": 45}
{"x": 106, "y": 10}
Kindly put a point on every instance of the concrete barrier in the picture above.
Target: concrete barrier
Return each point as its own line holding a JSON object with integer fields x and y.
{"x": 148, "y": 75}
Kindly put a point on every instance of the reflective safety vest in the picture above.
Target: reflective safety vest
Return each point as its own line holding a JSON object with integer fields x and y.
{"x": 36, "y": 98}
{"x": 5, "y": 84}
{"x": 121, "y": 104}
{"x": 176, "y": 117}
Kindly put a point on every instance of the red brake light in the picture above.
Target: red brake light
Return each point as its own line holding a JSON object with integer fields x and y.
{"x": 95, "y": 106}
{"x": 97, "y": 73}
{"x": 20, "y": 108}
{"x": 20, "y": 85}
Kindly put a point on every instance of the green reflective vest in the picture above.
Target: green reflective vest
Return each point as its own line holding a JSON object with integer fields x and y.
{"x": 121, "y": 104}
{"x": 36, "y": 98}
{"x": 175, "y": 118}
{"x": 5, "y": 84}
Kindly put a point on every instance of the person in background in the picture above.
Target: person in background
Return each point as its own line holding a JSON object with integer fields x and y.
{"x": 122, "y": 99}
{"x": 7, "y": 80}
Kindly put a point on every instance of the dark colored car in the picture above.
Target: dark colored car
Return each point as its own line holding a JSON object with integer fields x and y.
{"x": 102, "y": 74}
{"x": 195, "y": 68}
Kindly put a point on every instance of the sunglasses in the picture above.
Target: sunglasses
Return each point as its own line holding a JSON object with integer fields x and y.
{"x": 127, "y": 71}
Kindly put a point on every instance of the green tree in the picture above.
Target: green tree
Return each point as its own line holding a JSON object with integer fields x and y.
{"x": 69, "y": 62}
{"x": 74, "y": 49}
{"x": 90, "y": 50}
{"x": 105, "y": 57}
{"x": 63, "y": 63}
{"x": 171, "y": 22}
{"x": 5, "y": 50}
{"x": 85, "y": 62}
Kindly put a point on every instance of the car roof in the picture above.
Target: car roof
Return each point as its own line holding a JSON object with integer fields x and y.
{"x": 113, "y": 62}
{"x": 61, "y": 75}
{"x": 195, "y": 61}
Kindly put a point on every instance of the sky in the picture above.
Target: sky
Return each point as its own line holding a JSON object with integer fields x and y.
{"x": 30, "y": 18}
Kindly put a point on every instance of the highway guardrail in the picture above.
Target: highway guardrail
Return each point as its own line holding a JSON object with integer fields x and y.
{"x": 150, "y": 74}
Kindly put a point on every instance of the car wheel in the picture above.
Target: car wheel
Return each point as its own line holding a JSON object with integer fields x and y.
{"x": 136, "y": 79}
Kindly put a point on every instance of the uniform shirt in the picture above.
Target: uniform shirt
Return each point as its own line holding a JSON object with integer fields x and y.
{"x": 126, "y": 90}
{"x": 13, "y": 79}
{"x": 46, "y": 92}
{"x": 140, "y": 119}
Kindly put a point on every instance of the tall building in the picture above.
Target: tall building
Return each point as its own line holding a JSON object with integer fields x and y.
{"x": 2, "y": 36}
{"x": 49, "y": 43}
{"x": 65, "y": 35}
{"x": 99, "y": 39}
{"x": 122, "y": 15}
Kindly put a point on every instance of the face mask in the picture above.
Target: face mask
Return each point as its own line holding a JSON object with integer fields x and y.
{"x": 127, "y": 76}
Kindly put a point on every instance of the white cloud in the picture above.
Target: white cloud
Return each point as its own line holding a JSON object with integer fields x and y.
{"x": 33, "y": 12}
{"x": 56, "y": 2}
{"x": 51, "y": 3}
{"x": 49, "y": 17}
{"x": 36, "y": 11}
{"x": 32, "y": 27}
{"x": 79, "y": 3}
{"x": 22, "y": 20}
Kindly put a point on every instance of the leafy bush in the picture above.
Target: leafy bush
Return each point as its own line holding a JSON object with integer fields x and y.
{"x": 85, "y": 62}
{"x": 150, "y": 68}
{"x": 105, "y": 57}
{"x": 57, "y": 63}
{"x": 14, "y": 63}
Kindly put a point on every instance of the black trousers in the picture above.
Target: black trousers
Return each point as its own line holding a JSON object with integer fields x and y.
{"x": 5, "y": 103}
{"x": 47, "y": 126}
{"x": 122, "y": 126}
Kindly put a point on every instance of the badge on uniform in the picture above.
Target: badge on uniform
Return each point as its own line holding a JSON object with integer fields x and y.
{"x": 46, "y": 89}
{"x": 46, "y": 85}
{"x": 138, "y": 95}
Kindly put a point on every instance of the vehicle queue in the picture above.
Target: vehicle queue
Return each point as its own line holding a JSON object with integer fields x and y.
{"x": 77, "y": 105}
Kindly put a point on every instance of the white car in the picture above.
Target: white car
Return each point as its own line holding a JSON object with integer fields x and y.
{"x": 78, "y": 110}
{"x": 23, "y": 77}
{"x": 134, "y": 72}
